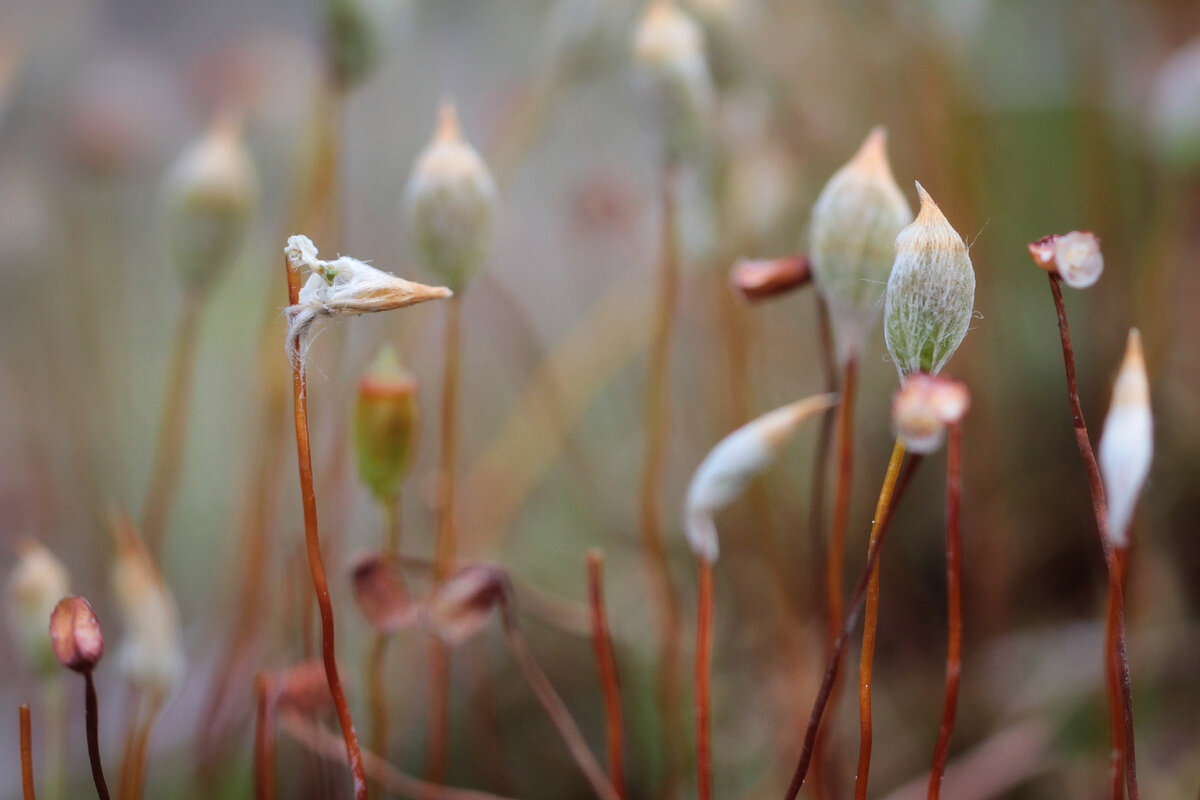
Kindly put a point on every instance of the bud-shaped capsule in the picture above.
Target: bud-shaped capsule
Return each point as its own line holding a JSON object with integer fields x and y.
{"x": 352, "y": 43}
{"x": 924, "y": 406}
{"x": 449, "y": 202}
{"x": 461, "y": 606}
{"x": 1127, "y": 444}
{"x": 75, "y": 634}
{"x": 385, "y": 425}
{"x": 737, "y": 459}
{"x": 930, "y": 293}
{"x": 37, "y": 582}
{"x": 852, "y": 241}
{"x": 210, "y": 194}
{"x": 151, "y": 654}
{"x": 1075, "y": 257}
{"x": 669, "y": 47}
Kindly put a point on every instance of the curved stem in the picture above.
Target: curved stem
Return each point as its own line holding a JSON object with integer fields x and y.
{"x": 316, "y": 566}
{"x": 704, "y": 625}
{"x": 953, "y": 608}
{"x": 92, "y": 716}
{"x": 607, "y": 664}
{"x": 26, "y": 752}
{"x": 172, "y": 431}
{"x": 879, "y": 530}
{"x": 264, "y": 742}
{"x": 556, "y": 709}
{"x": 870, "y": 624}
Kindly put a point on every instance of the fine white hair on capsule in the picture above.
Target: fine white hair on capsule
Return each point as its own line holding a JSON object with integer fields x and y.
{"x": 736, "y": 460}
{"x": 342, "y": 287}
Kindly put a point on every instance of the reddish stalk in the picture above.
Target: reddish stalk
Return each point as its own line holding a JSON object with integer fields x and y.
{"x": 655, "y": 426}
{"x": 941, "y": 751}
{"x": 1116, "y": 660}
{"x": 609, "y": 680}
{"x": 836, "y": 557}
{"x": 870, "y": 625}
{"x": 316, "y": 565}
{"x": 264, "y": 742}
{"x": 377, "y": 653}
{"x": 1112, "y": 672}
{"x": 172, "y": 432}
{"x": 26, "y": 752}
{"x": 92, "y": 715}
{"x": 704, "y": 625}
{"x": 445, "y": 544}
{"x": 879, "y": 532}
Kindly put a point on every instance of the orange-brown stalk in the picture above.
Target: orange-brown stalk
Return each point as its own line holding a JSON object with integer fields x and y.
{"x": 1116, "y": 662}
{"x": 953, "y": 608}
{"x": 607, "y": 665}
{"x": 316, "y": 565}
{"x": 704, "y": 625}
{"x": 377, "y": 653}
{"x": 264, "y": 741}
{"x": 26, "y": 752}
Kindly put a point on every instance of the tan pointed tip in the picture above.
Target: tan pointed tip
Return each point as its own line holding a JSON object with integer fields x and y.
{"x": 448, "y": 129}
{"x": 1133, "y": 349}
{"x": 872, "y": 154}
{"x": 1132, "y": 386}
{"x": 930, "y": 212}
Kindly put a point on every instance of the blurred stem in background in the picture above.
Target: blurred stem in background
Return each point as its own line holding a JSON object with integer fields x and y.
{"x": 607, "y": 666}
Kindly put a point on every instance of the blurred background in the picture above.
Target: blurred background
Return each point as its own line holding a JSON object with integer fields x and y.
{"x": 1021, "y": 117}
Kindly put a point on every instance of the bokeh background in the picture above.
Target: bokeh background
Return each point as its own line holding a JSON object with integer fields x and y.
{"x": 1022, "y": 117}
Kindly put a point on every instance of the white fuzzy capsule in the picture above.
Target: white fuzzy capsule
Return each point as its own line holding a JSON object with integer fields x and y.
{"x": 343, "y": 287}
{"x": 737, "y": 459}
{"x": 852, "y": 240}
{"x": 1175, "y": 108}
{"x": 1127, "y": 444}
{"x": 210, "y": 194}
{"x": 668, "y": 46}
{"x": 923, "y": 407}
{"x": 35, "y": 585}
{"x": 1074, "y": 256}
{"x": 930, "y": 293}
{"x": 449, "y": 204}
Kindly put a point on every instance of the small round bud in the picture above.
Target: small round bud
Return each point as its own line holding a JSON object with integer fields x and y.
{"x": 35, "y": 585}
{"x": 210, "y": 194}
{"x": 1127, "y": 444}
{"x": 449, "y": 203}
{"x": 352, "y": 45}
{"x": 923, "y": 407}
{"x": 385, "y": 425}
{"x": 461, "y": 606}
{"x": 930, "y": 293}
{"x": 1075, "y": 257}
{"x": 669, "y": 47}
{"x": 75, "y": 634}
{"x": 1175, "y": 109}
{"x": 380, "y": 594}
{"x": 855, "y": 222}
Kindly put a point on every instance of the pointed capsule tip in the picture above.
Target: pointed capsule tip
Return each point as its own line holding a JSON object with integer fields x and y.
{"x": 872, "y": 154}
{"x": 448, "y": 129}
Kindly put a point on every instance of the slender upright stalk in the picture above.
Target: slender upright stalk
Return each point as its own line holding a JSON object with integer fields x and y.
{"x": 655, "y": 427}
{"x": 172, "y": 432}
{"x": 141, "y": 742}
{"x": 607, "y": 664}
{"x": 377, "y": 652}
{"x": 1115, "y": 658}
{"x": 704, "y": 625}
{"x": 953, "y": 608}
{"x": 836, "y": 557}
{"x": 870, "y": 624}
{"x": 316, "y": 565}
{"x": 26, "y": 752}
{"x": 445, "y": 545}
{"x": 1112, "y": 673}
{"x": 92, "y": 714}
{"x": 264, "y": 742}
{"x": 879, "y": 529}
{"x": 556, "y": 709}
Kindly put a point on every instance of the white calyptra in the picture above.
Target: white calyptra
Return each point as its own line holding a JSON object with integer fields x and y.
{"x": 930, "y": 293}
{"x": 343, "y": 287}
{"x": 737, "y": 459}
{"x": 668, "y": 46}
{"x": 37, "y": 582}
{"x": 1075, "y": 256}
{"x": 923, "y": 407}
{"x": 1127, "y": 444}
{"x": 852, "y": 241}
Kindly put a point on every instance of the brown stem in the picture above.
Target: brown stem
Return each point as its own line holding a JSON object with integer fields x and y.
{"x": 704, "y": 625}
{"x": 137, "y": 768}
{"x": 870, "y": 625}
{"x": 655, "y": 426}
{"x": 836, "y": 558}
{"x": 556, "y": 709}
{"x": 312, "y": 541}
{"x": 607, "y": 665}
{"x": 1112, "y": 681}
{"x": 953, "y": 608}
{"x": 172, "y": 431}
{"x": 879, "y": 529}
{"x": 1116, "y": 662}
{"x": 377, "y": 653}
{"x": 92, "y": 715}
{"x": 26, "y": 752}
{"x": 264, "y": 742}
{"x": 445, "y": 544}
